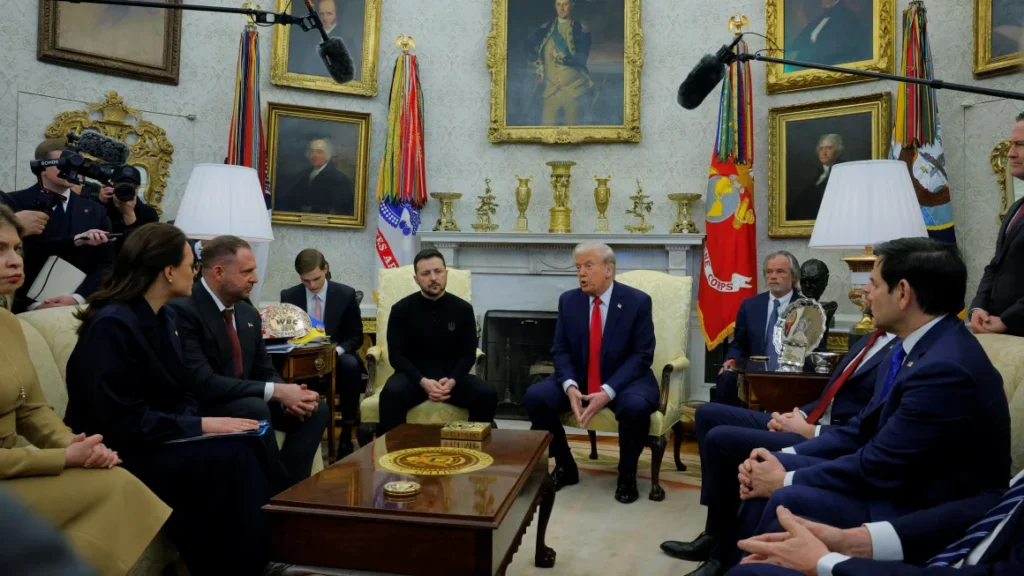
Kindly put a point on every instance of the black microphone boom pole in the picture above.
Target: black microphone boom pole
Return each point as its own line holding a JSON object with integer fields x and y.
{"x": 261, "y": 16}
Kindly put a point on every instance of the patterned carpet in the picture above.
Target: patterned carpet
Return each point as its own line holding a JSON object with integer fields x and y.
{"x": 608, "y": 460}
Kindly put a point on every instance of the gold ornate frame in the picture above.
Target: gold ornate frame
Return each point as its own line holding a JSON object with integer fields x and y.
{"x": 497, "y": 64}
{"x": 880, "y": 107}
{"x": 150, "y": 149}
{"x": 1001, "y": 166}
{"x": 47, "y": 49}
{"x": 884, "y": 59}
{"x": 367, "y": 86}
{"x": 984, "y": 63}
{"x": 275, "y": 111}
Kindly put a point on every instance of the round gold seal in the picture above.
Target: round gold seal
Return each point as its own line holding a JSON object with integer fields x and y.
{"x": 435, "y": 461}
{"x": 402, "y": 489}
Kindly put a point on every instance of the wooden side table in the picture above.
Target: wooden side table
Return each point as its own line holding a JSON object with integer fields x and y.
{"x": 313, "y": 362}
{"x": 782, "y": 391}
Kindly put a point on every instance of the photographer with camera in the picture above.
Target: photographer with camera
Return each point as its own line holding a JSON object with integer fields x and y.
{"x": 125, "y": 211}
{"x": 75, "y": 231}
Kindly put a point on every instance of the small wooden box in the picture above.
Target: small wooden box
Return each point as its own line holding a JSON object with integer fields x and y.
{"x": 474, "y": 431}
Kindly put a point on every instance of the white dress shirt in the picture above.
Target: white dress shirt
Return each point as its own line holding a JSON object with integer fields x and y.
{"x": 908, "y": 345}
{"x": 887, "y": 547}
{"x": 268, "y": 390}
{"x": 606, "y": 298}
{"x": 311, "y": 306}
{"x": 316, "y": 172}
{"x": 783, "y": 302}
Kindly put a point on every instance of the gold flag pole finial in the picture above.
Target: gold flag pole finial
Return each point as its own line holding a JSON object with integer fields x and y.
{"x": 737, "y": 23}
{"x": 406, "y": 43}
{"x": 250, "y": 5}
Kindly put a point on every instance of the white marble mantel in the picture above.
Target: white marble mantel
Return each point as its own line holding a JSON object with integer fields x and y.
{"x": 523, "y": 271}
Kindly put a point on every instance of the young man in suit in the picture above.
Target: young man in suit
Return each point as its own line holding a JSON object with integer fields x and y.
{"x": 998, "y": 306}
{"x": 76, "y": 231}
{"x": 726, "y": 435}
{"x": 232, "y": 374}
{"x": 982, "y": 535}
{"x": 755, "y": 319}
{"x": 939, "y": 396}
{"x": 603, "y": 349}
{"x": 336, "y": 306}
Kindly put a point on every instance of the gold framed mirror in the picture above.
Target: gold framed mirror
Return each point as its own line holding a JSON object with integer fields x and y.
{"x": 151, "y": 152}
{"x": 1010, "y": 189}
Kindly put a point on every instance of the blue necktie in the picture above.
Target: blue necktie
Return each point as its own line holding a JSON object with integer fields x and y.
{"x": 773, "y": 356}
{"x": 959, "y": 550}
{"x": 894, "y": 366}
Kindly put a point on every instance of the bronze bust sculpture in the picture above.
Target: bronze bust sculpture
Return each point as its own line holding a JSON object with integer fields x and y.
{"x": 813, "y": 281}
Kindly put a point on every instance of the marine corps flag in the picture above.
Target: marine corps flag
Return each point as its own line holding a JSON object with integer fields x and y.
{"x": 729, "y": 268}
{"x": 917, "y": 134}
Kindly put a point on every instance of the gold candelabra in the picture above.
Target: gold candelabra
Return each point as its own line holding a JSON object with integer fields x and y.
{"x": 640, "y": 209}
{"x": 446, "y": 219}
{"x": 523, "y": 193}
{"x": 684, "y": 223}
{"x": 486, "y": 208}
{"x": 561, "y": 182}
{"x": 602, "y": 194}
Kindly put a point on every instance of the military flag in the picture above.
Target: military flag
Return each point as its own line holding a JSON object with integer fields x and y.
{"x": 729, "y": 267}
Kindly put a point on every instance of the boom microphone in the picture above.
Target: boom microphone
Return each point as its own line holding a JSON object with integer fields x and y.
{"x": 705, "y": 76}
{"x": 332, "y": 51}
{"x": 102, "y": 147}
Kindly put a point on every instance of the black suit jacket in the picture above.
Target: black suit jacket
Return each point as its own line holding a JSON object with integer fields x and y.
{"x": 342, "y": 319}
{"x": 926, "y": 533}
{"x": 331, "y": 192}
{"x": 204, "y": 343}
{"x": 804, "y": 203}
{"x": 1001, "y": 292}
{"x": 751, "y": 319}
{"x": 58, "y": 238}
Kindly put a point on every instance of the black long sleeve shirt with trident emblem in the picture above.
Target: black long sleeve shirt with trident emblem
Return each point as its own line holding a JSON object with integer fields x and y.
{"x": 432, "y": 338}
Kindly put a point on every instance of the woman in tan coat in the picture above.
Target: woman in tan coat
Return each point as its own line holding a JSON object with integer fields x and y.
{"x": 107, "y": 514}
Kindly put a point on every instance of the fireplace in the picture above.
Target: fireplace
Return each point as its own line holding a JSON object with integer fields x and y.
{"x": 518, "y": 348}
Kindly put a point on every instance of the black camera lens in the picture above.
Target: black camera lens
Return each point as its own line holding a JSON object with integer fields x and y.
{"x": 124, "y": 192}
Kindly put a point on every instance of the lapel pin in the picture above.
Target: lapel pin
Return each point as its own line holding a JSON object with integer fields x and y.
{"x": 250, "y": 324}
{"x": 909, "y": 364}
{"x": 620, "y": 306}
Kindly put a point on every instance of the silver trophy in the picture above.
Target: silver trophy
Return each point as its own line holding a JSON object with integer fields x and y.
{"x": 798, "y": 331}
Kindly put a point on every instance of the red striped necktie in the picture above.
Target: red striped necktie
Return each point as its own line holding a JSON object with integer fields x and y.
{"x": 823, "y": 404}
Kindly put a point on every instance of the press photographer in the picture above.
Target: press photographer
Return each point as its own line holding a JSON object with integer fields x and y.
{"x": 72, "y": 241}
{"x": 125, "y": 211}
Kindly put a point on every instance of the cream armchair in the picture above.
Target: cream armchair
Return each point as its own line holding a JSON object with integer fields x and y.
{"x": 1007, "y": 355}
{"x": 670, "y": 300}
{"x": 393, "y": 284}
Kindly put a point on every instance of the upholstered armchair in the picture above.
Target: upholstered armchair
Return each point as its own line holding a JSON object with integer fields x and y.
{"x": 670, "y": 300}
{"x": 1007, "y": 355}
{"x": 393, "y": 284}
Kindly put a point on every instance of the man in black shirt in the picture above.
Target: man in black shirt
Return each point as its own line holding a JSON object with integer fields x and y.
{"x": 126, "y": 216}
{"x": 432, "y": 345}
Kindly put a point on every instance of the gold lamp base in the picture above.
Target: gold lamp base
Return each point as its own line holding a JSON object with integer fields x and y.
{"x": 860, "y": 265}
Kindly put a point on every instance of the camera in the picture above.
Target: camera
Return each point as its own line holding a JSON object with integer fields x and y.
{"x": 72, "y": 165}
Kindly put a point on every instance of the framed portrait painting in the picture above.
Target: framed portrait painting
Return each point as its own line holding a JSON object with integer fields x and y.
{"x": 855, "y": 34}
{"x": 805, "y": 141}
{"x": 140, "y": 43}
{"x": 318, "y": 161}
{"x": 998, "y": 33}
{"x": 565, "y": 71}
{"x": 296, "y": 62}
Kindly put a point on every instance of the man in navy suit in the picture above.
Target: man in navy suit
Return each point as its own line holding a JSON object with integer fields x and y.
{"x": 603, "y": 349}
{"x": 726, "y": 435}
{"x": 75, "y": 232}
{"x": 981, "y": 535}
{"x": 756, "y": 316}
{"x": 337, "y": 307}
{"x": 938, "y": 396}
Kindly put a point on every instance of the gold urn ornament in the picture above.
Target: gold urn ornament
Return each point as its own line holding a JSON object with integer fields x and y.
{"x": 602, "y": 194}
{"x": 640, "y": 209}
{"x": 446, "y": 219}
{"x": 523, "y": 193}
{"x": 684, "y": 223}
{"x": 486, "y": 208}
{"x": 561, "y": 182}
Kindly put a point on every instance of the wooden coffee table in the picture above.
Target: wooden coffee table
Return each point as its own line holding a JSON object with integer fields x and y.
{"x": 469, "y": 523}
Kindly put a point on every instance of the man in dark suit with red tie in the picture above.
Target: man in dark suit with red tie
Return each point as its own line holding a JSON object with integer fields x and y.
{"x": 603, "y": 349}
{"x": 998, "y": 306}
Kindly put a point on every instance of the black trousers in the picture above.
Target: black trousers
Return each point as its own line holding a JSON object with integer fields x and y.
{"x": 216, "y": 487}
{"x": 400, "y": 394}
{"x": 291, "y": 463}
{"x": 349, "y": 384}
{"x": 727, "y": 389}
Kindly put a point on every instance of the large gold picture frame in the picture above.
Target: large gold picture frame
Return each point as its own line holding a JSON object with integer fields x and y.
{"x": 1010, "y": 188}
{"x": 365, "y": 60}
{"x": 985, "y": 62}
{"x": 86, "y": 40}
{"x": 295, "y": 135}
{"x": 864, "y": 119}
{"x": 882, "y": 60}
{"x": 498, "y": 58}
{"x": 151, "y": 152}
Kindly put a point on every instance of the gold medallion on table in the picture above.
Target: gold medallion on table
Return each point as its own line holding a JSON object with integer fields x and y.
{"x": 436, "y": 461}
{"x": 405, "y": 489}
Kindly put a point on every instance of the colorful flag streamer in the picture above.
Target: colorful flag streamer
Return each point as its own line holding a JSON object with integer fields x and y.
{"x": 246, "y": 146}
{"x": 402, "y": 183}
{"x": 729, "y": 267}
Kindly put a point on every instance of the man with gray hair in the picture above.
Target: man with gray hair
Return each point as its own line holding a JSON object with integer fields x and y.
{"x": 603, "y": 350}
{"x": 755, "y": 319}
{"x": 803, "y": 204}
{"x": 321, "y": 188}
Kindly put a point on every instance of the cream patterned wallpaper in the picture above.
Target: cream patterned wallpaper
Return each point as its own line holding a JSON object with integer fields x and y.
{"x": 451, "y": 37}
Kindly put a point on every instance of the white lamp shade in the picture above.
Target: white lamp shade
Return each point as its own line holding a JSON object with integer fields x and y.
{"x": 224, "y": 199}
{"x": 867, "y": 203}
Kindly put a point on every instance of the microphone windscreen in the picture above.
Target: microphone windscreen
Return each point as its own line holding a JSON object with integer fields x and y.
{"x": 337, "y": 60}
{"x": 700, "y": 82}
{"x": 102, "y": 147}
